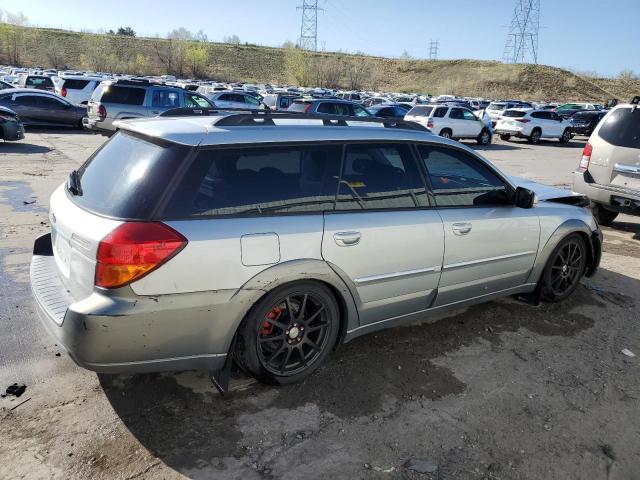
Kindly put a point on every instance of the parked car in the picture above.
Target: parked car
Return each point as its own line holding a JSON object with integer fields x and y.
{"x": 40, "y": 82}
{"x": 388, "y": 110}
{"x": 533, "y": 125}
{"x": 279, "y": 101}
{"x": 584, "y": 122}
{"x": 450, "y": 122}
{"x": 371, "y": 101}
{"x": 236, "y": 99}
{"x": 123, "y": 99}
{"x": 352, "y": 96}
{"x": 609, "y": 171}
{"x": 40, "y": 108}
{"x": 496, "y": 109}
{"x": 567, "y": 109}
{"x": 78, "y": 89}
{"x": 328, "y": 107}
{"x": 189, "y": 243}
{"x": 11, "y": 128}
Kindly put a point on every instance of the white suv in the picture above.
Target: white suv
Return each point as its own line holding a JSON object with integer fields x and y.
{"x": 533, "y": 125}
{"x": 450, "y": 122}
{"x": 77, "y": 89}
{"x": 609, "y": 171}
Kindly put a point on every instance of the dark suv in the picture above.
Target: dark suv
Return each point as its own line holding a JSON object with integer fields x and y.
{"x": 328, "y": 107}
{"x": 133, "y": 98}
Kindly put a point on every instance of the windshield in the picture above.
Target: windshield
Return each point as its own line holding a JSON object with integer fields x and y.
{"x": 514, "y": 113}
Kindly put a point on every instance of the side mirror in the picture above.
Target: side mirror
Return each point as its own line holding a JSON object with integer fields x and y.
{"x": 524, "y": 198}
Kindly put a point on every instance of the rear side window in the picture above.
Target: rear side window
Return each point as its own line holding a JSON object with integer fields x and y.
{"x": 380, "y": 176}
{"x": 459, "y": 180}
{"x": 622, "y": 128}
{"x": 75, "y": 84}
{"x": 420, "y": 111}
{"x": 298, "y": 106}
{"x": 519, "y": 114}
{"x": 440, "y": 112}
{"x": 122, "y": 95}
{"x": 127, "y": 177}
{"x": 258, "y": 181}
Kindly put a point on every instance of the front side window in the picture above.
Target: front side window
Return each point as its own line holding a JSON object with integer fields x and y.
{"x": 165, "y": 99}
{"x": 380, "y": 176}
{"x": 468, "y": 115}
{"x": 360, "y": 112}
{"x": 195, "y": 101}
{"x": 254, "y": 102}
{"x": 51, "y": 103}
{"x": 258, "y": 181}
{"x": 459, "y": 180}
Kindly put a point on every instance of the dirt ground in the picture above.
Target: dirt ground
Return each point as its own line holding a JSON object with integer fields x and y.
{"x": 502, "y": 390}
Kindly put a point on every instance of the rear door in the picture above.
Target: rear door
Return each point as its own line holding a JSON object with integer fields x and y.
{"x": 490, "y": 245}
{"x": 457, "y": 122}
{"x": 383, "y": 238}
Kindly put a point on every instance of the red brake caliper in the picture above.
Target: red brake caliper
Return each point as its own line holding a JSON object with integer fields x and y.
{"x": 267, "y": 328}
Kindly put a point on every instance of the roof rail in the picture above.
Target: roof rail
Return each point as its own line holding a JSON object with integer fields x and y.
{"x": 240, "y": 117}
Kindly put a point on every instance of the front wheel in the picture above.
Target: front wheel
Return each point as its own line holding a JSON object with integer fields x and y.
{"x": 484, "y": 138}
{"x": 565, "y": 268}
{"x": 288, "y": 333}
{"x": 566, "y": 136}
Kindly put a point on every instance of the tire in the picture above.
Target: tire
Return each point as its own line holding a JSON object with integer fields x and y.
{"x": 566, "y": 136}
{"x": 505, "y": 137}
{"x": 565, "y": 267}
{"x": 535, "y": 136}
{"x": 278, "y": 348}
{"x": 603, "y": 216}
{"x": 445, "y": 133}
{"x": 484, "y": 138}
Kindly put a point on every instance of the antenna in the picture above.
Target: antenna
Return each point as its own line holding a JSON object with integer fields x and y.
{"x": 433, "y": 49}
{"x": 309, "y": 27}
{"x": 522, "y": 39}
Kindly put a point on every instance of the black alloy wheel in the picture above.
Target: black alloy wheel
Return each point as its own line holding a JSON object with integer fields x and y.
{"x": 565, "y": 268}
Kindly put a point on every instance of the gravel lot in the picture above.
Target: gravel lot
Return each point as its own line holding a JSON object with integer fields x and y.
{"x": 502, "y": 390}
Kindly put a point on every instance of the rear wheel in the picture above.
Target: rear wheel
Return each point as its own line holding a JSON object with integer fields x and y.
{"x": 445, "y": 133}
{"x": 603, "y": 216}
{"x": 535, "y": 136}
{"x": 566, "y": 136}
{"x": 289, "y": 333}
{"x": 484, "y": 138}
{"x": 565, "y": 268}
{"x": 505, "y": 136}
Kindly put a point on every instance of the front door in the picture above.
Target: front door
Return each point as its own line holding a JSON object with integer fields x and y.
{"x": 490, "y": 245}
{"x": 382, "y": 238}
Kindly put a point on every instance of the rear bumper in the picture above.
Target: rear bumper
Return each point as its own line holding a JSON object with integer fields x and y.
{"x": 98, "y": 126}
{"x": 119, "y": 332}
{"x": 614, "y": 198}
{"x": 510, "y": 131}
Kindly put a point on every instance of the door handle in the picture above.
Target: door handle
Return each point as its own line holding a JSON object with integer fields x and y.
{"x": 347, "y": 239}
{"x": 461, "y": 228}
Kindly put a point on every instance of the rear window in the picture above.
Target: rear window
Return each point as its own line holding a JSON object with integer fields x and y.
{"x": 622, "y": 128}
{"x": 127, "y": 177}
{"x": 38, "y": 82}
{"x": 258, "y": 181}
{"x": 75, "y": 84}
{"x": 514, "y": 113}
{"x": 571, "y": 106}
{"x": 497, "y": 106}
{"x": 122, "y": 95}
{"x": 298, "y": 106}
{"x": 420, "y": 111}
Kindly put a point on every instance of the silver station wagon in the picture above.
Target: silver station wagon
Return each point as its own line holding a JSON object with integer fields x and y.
{"x": 189, "y": 242}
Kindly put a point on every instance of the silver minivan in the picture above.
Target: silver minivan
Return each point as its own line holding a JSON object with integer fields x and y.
{"x": 269, "y": 239}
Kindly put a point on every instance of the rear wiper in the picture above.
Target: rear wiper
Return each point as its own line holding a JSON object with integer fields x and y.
{"x": 73, "y": 183}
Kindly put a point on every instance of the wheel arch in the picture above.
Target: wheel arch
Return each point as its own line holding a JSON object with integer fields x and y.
{"x": 565, "y": 229}
{"x": 290, "y": 272}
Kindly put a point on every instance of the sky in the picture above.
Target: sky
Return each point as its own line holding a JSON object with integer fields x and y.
{"x": 600, "y": 36}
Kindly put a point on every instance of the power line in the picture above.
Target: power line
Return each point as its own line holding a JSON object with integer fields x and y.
{"x": 522, "y": 39}
{"x": 433, "y": 49}
{"x": 309, "y": 26}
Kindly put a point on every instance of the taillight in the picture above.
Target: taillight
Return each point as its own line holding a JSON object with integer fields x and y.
{"x": 586, "y": 158}
{"x": 522, "y": 120}
{"x": 102, "y": 112}
{"x": 63, "y": 92}
{"x": 133, "y": 250}
{"x": 430, "y": 123}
